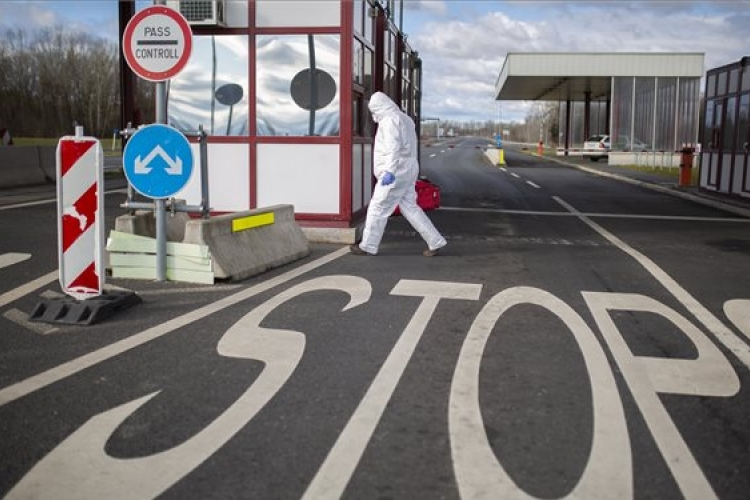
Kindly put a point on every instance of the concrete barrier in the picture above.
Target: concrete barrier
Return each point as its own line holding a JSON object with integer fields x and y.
{"x": 22, "y": 165}
{"x": 244, "y": 244}
{"x": 241, "y": 244}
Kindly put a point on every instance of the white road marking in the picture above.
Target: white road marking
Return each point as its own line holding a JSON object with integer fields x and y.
{"x": 80, "y": 465}
{"x": 433, "y": 155}
{"x": 9, "y": 259}
{"x": 27, "y": 288}
{"x": 515, "y": 175}
{"x": 598, "y": 215}
{"x": 533, "y": 185}
{"x": 442, "y": 151}
{"x": 53, "y": 375}
{"x": 21, "y": 318}
{"x": 710, "y": 374}
{"x": 338, "y": 467}
{"x": 479, "y": 473}
{"x": 722, "y": 333}
{"x": 738, "y": 312}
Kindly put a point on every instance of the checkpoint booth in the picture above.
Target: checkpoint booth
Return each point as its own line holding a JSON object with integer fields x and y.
{"x": 281, "y": 88}
{"x": 647, "y": 103}
{"x": 725, "y": 157}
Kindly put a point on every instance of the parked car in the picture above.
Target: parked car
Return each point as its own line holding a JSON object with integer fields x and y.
{"x": 623, "y": 144}
{"x": 596, "y": 147}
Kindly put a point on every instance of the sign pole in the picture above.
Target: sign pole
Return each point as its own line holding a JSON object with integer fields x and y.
{"x": 160, "y": 208}
{"x": 157, "y": 43}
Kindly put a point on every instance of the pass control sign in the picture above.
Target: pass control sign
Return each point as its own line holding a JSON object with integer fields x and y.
{"x": 157, "y": 43}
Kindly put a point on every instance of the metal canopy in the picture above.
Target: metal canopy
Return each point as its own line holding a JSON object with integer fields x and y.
{"x": 554, "y": 76}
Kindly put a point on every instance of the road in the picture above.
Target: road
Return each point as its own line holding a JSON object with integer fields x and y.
{"x": 578, "y": 337}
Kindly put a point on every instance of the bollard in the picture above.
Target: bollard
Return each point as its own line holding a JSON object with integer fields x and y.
{"x": 540, "y": 149}
{"x": 686, "y": 165}
{"x": 501, "y": 157}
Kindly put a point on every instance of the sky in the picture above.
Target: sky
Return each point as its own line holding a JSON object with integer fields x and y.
{"x": 463, "y": 43}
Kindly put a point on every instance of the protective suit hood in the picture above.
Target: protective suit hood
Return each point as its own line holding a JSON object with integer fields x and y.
{"x": 381, "y": 105}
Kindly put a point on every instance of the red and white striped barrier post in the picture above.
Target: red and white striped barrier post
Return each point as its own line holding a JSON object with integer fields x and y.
{"x": 80, "y": 215}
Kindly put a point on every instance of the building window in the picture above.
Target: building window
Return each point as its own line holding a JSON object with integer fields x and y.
{"x": 297, "y": 85}
{"x": 212, "y": 90}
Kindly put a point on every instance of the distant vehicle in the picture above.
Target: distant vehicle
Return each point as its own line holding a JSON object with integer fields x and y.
{"x": 623, "y": 144}
{"x": 598, "y": 146}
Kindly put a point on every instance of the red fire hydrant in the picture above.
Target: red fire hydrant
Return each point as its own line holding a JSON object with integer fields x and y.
{"x": 686, "y": 165}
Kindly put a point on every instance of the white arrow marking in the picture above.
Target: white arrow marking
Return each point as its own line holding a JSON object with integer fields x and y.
{"x": 174, "y": 167}
{"x": 8, "y": 259}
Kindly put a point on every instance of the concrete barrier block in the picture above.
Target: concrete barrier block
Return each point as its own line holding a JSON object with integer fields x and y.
{"x": 19, "y": 166}
{"x": 143, "y": 223}
{"x": 48, "y": 161}
{"x": 244, "y": 244}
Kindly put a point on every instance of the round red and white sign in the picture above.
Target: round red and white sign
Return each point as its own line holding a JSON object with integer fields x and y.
{"x": 157, "y": 43}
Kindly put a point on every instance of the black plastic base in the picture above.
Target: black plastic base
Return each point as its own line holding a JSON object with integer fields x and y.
{"x": 69, "y": 311}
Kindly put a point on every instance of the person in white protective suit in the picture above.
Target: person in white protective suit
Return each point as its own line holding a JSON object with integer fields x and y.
{"x": 396, "y": 169}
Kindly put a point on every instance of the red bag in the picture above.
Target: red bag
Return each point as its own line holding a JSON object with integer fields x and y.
{"x": 428, "y": 196}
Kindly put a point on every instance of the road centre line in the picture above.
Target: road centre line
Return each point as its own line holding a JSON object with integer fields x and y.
{"x": 533, "y": 185}
{"x": 515, "y": 175}
{"x": 53, "y": 375}
{"x": 721, "y": 332}
{"x": 598, "y": 215}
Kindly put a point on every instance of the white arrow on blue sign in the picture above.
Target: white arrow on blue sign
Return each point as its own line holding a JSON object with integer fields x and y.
{"x": 158, "y": 161}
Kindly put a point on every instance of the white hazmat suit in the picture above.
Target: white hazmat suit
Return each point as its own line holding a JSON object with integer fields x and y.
{"x": 395, "y": 152}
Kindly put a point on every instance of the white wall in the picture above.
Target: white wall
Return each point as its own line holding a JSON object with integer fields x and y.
{"x": 304, "y": 175}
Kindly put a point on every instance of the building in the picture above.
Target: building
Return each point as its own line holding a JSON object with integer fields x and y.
{"x": 281, "y": 88}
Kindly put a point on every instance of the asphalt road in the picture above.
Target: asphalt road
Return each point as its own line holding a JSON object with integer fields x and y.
{"x": 578, "y": 336}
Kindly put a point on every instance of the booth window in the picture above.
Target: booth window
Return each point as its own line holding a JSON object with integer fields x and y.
{"x": 297, "y": 79}
{"x": 212, "y": 90}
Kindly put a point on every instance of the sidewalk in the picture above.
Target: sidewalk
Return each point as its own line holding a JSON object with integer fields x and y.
{"x": 732, "y": 204}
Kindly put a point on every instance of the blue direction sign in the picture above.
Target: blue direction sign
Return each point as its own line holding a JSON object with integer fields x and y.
{"x": 158, "y": 161}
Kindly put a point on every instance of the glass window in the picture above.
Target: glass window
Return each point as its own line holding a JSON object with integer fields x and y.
{"x": 730, "y": 125}
{"x": 734, "y": 78}
{"x": 743, "y": 124}
{"x": 212, "y": 90}
{"x": 721, "y": 84}
{"x": 711, "y": 85}
{"x": 708, "y": 124}
{"x": 359, "y": 11}
{"x": 292, "y": 99}
{"x": 368, "y": 23}
{"x": 746, "y": 78}
{"x": 358, "y": 62}
{"x": 367, "y": 71}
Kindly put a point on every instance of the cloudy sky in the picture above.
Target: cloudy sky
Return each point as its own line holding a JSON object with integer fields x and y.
{"x": 463, "y": 43}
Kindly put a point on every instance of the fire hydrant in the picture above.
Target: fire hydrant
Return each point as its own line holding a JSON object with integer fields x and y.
{"x": 686, "y": 165}
{"x": 540, "y": 148}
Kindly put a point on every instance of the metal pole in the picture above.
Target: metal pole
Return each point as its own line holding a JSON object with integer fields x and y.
{"x": 160, "y": 211}
{"x": 205, "y": 207}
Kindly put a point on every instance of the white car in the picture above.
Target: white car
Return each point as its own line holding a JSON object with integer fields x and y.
{"x": 596, "y": 147}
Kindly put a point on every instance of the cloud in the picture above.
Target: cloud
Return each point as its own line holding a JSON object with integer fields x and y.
{"x": 463, "y": 57}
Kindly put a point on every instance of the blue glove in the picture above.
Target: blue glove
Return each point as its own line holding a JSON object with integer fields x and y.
{"x": 387, "y": 179}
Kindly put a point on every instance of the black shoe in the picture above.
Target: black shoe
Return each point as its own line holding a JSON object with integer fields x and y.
{"x": 356, "y": 250}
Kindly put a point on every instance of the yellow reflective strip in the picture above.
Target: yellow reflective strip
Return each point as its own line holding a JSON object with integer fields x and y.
{"x": 252, "y": 221}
